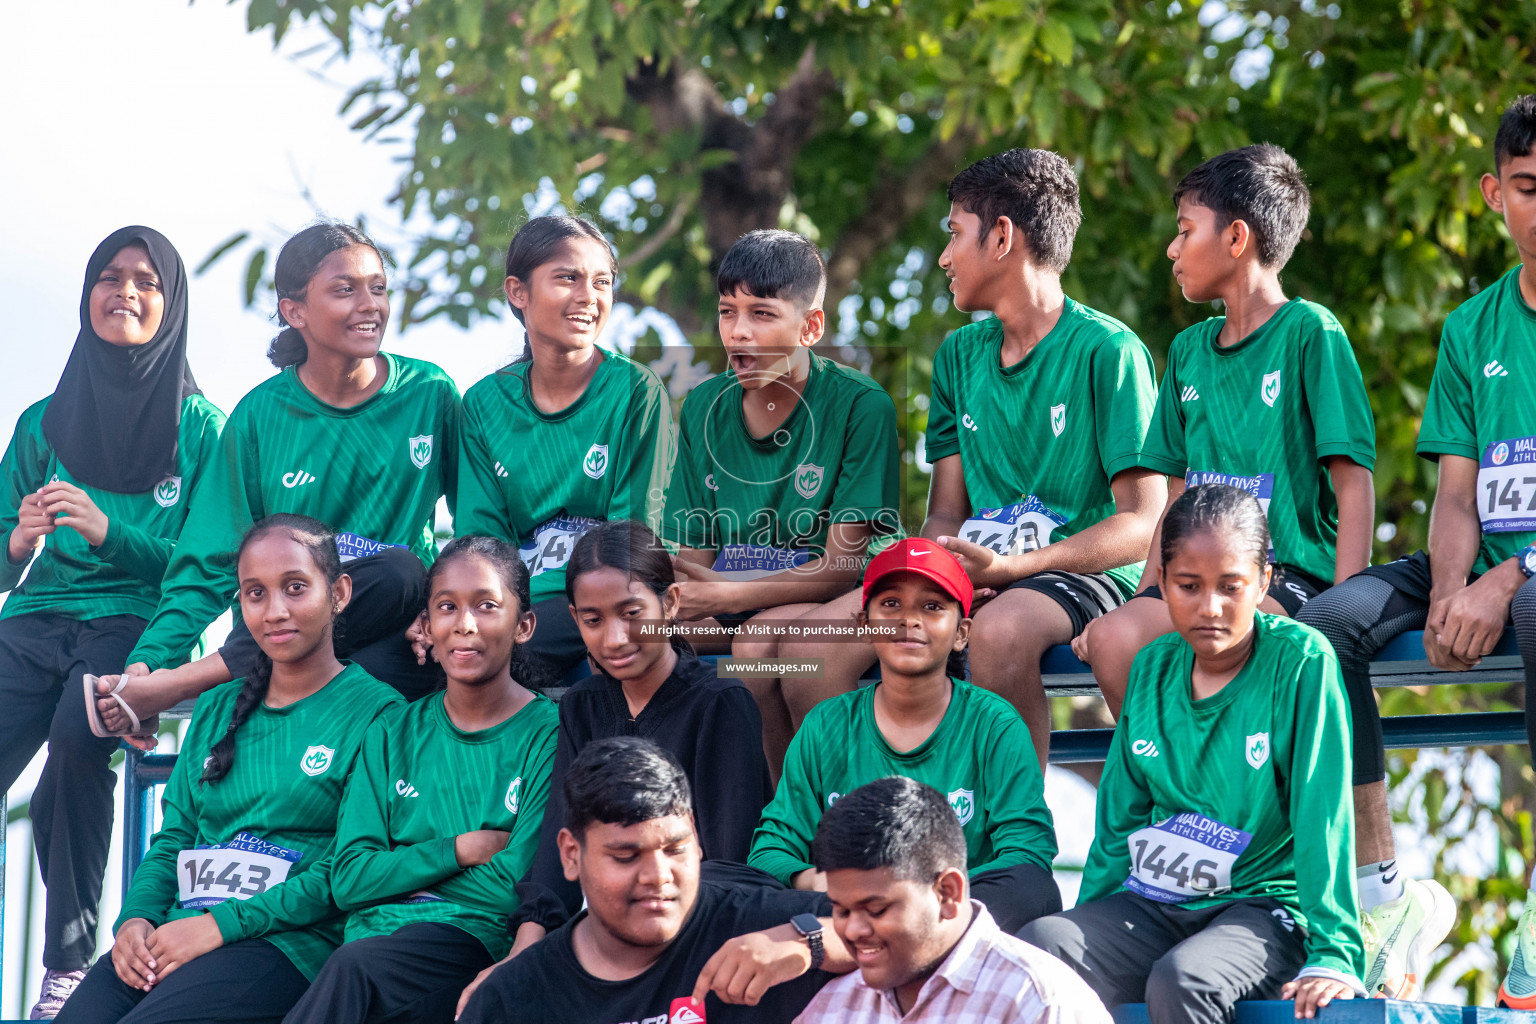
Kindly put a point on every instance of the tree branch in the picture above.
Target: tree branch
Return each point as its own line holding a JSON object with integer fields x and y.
{"x": 893, "y": 201}
{"x": 680, "y": 211}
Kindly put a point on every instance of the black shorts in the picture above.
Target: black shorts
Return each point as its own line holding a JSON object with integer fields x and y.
{"x": 731, "y": 621}
{"x": 1289, "y": 586}
{"x": 1083, "y": 596}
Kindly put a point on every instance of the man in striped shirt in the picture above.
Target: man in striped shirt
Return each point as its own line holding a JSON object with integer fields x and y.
{"x": 894, "y": 857}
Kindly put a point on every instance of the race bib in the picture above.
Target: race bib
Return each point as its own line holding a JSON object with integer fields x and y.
{"x": 752, "y": 562}
{"x": 245, "y": 866}
{"x": 1506, "y": 486}
{"x": 1185, "y": 857}
{"x": 351, "y": 545}
{"x": 1014, "y": 529}
{"x": 552, "y": 542}
{"x": 1260, "y": 485}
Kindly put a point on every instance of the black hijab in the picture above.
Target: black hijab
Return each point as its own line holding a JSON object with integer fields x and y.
{"x": 115, "y": 417}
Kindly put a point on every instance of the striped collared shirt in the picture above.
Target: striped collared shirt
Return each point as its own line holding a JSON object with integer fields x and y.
{"x": 987, "y": 977}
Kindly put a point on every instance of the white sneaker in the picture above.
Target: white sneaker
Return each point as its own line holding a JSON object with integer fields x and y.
{"x": 1400, "y": 937}
{"x": 58, "y": 986}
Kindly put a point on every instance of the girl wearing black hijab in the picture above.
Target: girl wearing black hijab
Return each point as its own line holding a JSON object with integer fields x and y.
{"x": 95, "y": 483}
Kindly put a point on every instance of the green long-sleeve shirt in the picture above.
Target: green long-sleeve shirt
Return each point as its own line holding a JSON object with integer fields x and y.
{"x": 420, "y": 782}
{"x": 540, "y": 480}
{"x": 980, "y": 757}
{"x": 1268, "y": 758}
{"x": 70, "y": 576}
{"x": 373, "y": 472}
{"x": 284, "y": 789}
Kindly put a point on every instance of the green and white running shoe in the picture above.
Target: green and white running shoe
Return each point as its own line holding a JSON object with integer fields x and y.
{"x": 1402, "y": 934}
{"x": 1519, "y": 989}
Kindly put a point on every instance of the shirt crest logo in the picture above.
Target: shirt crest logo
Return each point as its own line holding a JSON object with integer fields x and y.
{"x": 1270, "y": 392}
{"x": 168, "y": 491}
{"x": 513, "y": 792}
{"x": 596, "y": 462}
{"x": 808, "y": 479}
{"x": 317, "y": 759}
{"x": 963, "y": 803}
{"x": 1256, "y": 749}
{"x": 421, "y": 450}
{"x": 1058, "y": 418}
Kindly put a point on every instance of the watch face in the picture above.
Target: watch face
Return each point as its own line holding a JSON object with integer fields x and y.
{"x": 806, "y": 924}
{"x": 1528, "y": 561}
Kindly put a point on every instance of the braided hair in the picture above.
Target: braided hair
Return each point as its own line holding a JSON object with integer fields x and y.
{"x": 319, "y": 540}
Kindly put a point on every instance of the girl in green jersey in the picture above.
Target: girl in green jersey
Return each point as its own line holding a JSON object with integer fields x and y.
{"x": 1221, "y": 866}
{"x": 567, "y": 436}
{"x": 349, "y": 435}
{"x": 95, "y": 482}
{"x": 231, "y": 915}
{"x": 442, "y": 816}
{"x": 923, "y": 722}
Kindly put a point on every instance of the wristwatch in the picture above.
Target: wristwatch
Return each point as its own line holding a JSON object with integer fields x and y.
{"x": 1526, "y": 559}
{"x": 809, "y": 927}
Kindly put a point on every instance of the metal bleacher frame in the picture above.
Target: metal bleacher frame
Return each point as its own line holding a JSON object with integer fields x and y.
{"x": 1400, "y": 663}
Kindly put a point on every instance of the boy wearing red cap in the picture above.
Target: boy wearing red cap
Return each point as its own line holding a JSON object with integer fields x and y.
{"x": 923, "y": 722}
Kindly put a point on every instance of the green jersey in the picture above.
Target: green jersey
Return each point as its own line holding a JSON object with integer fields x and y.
{"x": 980, "y": 757}
{"x": 1482, "y": 405}
{"x": 70, "y": 576}
{"x": 373, "y": 472}
{"x": 1201, "y": 800}
{"x": 420, "y": 782}
{"x": 1039, "y": 441}
{"x": 540, "y": 480}
{"x": 256, "y": 848}
{"x": 1262, "y": 415}
{"x": 766, "y": 504}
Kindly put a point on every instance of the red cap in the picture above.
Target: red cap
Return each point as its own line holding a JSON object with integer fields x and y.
{"x": 924, "y": 557}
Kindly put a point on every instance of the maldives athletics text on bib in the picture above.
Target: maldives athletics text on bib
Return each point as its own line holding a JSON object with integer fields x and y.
{"x": 352, "y": 546}
{"x": 1506, "y": 486}
{"x": 245, "y": 866}
{"x": 1014, "y": 529}
{"x": 552, "y": 542}
{"x": 754, "y": 561}
{"x": 1185, "y": 857}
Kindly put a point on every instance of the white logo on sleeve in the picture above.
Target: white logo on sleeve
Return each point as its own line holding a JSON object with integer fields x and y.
{"x": 167, "y": 491}
{"x": 833, "y": 798}
{"x": 405, "y": 789}
{"x": 421, "y": 450}
{"x": 513, "y": 792}
{"x": 1256, "y": 749}
{"x": 596, "y": 462}
{"x": 501, "y": 470}
{"x": 1495, "y": 369}
{"x": 298, "y": 478}
{"x": 1144, "y": 748}
{"x": 1189, "y": 394}
{"x": 709, "y": 481}
{"x": 967, "y": 422}
{"x": 1270, "y": 391}
{"x": 1058, "y": 418}
{"x": 963, "y": 803}
{"x": 808, "y": 479}
{"x": 317, "y": 759}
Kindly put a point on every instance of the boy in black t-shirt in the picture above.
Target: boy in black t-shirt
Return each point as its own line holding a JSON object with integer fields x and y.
{"x": 654, "y": 943}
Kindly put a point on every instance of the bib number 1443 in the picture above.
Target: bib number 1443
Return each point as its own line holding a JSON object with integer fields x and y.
{"x": 246, "y": 866}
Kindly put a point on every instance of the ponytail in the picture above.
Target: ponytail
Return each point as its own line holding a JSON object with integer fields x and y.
{"x": 288, "y": 348}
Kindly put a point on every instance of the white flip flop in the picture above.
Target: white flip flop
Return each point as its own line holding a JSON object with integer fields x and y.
{"x": 98, "y": 727}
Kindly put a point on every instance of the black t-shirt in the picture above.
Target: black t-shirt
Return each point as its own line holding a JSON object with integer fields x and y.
{"x": 713, "y": 728}
{"x": 546, "y": 983}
